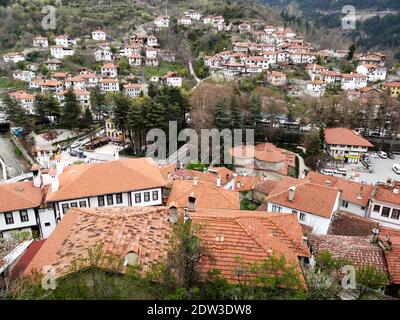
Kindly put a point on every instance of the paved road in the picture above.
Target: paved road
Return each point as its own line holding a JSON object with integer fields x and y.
{"x": 15, "y": 165}
{"x": 382, "y": 171}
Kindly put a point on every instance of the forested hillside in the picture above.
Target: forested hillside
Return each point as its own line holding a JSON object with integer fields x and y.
{"x": 327, "y": 15}
{"x": 20, "y": 20}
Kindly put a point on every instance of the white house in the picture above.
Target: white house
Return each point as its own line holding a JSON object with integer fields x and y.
{"x": 172, "y": 79}
{"x": 99, "y": 35}
{"x": 195, "y": 15}
{"x": 373, "y": 71}
{"x": 109, "y": 70}
{"x": 134, "y": 90}
{"x": 22, "y": 208}
{"x": 185, "y": 21}
{"x": 76, "y": 82}
{"x": 354, "y": 197}
{"x": 316, "y": 88}
{"x": 313, "y": 204}
{"x": 91, "y": 79}
{"x": 384, "y": 205}
{"x": 133, "y": 182}
{"x": 135, "y": 60}
{"x": 152, "y": 62}
{"x": 352, "y": 81}
{"x": 162, "y": 21}
{"x": 59, "y": 52}
{"x": 65, "y": 41}
{"x": 82, "y": 96}
{"x": 40, "y": 42}
{"x": 103, "y": 54}
{"x": 258, "y": 61}
{"x": 109, "y": 85}
{"x": 152, "y": 41}
{"x": 51, "y": 86}
{"x": 25, "y": 76}
{"x": 26, "y": 100}
{"x": 131, "y": 49}
{"x": 345, "y": 145}
{"x": 14, "y": 57}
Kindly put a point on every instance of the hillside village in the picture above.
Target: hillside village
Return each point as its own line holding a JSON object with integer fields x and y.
{"x": 90, "y": 183}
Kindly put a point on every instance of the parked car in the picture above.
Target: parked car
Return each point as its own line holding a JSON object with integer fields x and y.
{"x": 396, "y": 168}
{"x": 342, "y": 171}
{"x": 382, "y": 154}
{"x": 74, "y": 153}
{"x": 390, "y": 155}
{"x": 374, "y": 155}
{"x": 328, "y": 172}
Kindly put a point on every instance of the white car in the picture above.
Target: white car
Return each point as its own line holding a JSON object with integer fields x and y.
{"x": 382, "y": 155}
{"x": 396, "y": 168}
{"x": 341, "y": 171}
{"x": 328, "y": 172}
{"x": 374, "y": 155}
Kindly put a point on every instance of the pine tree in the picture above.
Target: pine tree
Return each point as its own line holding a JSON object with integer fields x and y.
{"x": 221, "y": 117}
{"x": 235, "y": 121}
{"x": 352, "y": 49}
{"x": 256, "y": 118}
{"x": 97, "y": 100}
{"x": 71, "y": 110}
{"x": 88, "y": 118}
{"x": 10, "y": 106}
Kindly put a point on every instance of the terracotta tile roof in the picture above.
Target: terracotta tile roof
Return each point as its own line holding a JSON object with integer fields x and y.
{"x": 22, "y": 95}
{"x": 207, "y": 195}
{"x": 354, "y": 192}
{"x": 353, "y": 75}
{"x": 357, "y": 250}
{"x": 77, "y": 92}
{"x": 392, "y": 255}
{"x": 209, "y": 176}
{"x": 395, "y": 84}
{"x": 343, "y": 136}
{"x": 266, "y": 186}
{"x": 109, "y": 66}
{"x": 108, "y": 81}
{"x": 19, "y": 196}
{"x": 386, "y": 194}
{"x": 309, "y": 197}
{"x": 265, "y": 152}
{"x": 107, "y": 177}
{"x": 349, "y": 224}
{"x": 251, "y": 236}
{"x": 247, "y": 183}
{"x": 144, "y": 230}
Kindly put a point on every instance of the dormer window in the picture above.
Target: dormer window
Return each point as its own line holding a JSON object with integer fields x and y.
{"x": 131, "y": 259}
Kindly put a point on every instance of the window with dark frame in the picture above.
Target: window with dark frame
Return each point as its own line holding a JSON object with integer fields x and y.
{"x": 155, "y": 195}
{"x": 65, "y": 208}
{"x": 110, "y": 199}
{"x": 385, "y": 212}
{"x": 302, "y": 216}
{"x": 74, "y": 205}
{"x": 377, "y": 208}
{"x": 118, "y": 198}
{"x": 47, "y": 224}
{"x": 138, "y": 197}
{"x": 146, "y": 196}
{"x": 82, "y": 204}
{"x": 396, "y": 214}
{"x": 24, "y": 216}
{"x": 345, "y": 204}
{"x": 9, "y": 218}
{"x": 100, "y": 200}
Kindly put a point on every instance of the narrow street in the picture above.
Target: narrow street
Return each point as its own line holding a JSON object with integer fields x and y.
{"x": 15, "y": 165}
